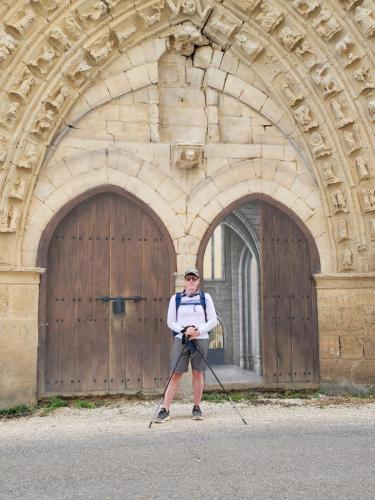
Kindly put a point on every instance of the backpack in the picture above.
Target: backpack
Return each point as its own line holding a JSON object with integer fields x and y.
{"x": 202, "y": 302}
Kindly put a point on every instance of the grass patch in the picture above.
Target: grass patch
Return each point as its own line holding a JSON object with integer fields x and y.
{"x": 16, "y": 411}
{"x": 84, "y": 403}
{"x": 52, "y": 404}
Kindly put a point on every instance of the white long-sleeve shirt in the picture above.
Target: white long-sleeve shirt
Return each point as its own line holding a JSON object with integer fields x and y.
{"x": 192, "y": 315}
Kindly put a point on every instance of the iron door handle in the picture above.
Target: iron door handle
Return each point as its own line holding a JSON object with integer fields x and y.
{"x": 106, "y": 298}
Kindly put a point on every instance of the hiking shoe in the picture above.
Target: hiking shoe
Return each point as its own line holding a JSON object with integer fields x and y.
{"x": 197, "y": 413}
{"x": 162, "y": 417}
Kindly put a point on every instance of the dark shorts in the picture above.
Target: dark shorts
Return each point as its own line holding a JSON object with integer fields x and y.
{"x": 197, "y": 362}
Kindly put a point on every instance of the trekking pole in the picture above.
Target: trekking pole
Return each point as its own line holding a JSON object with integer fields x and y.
{"x": 165, "y": 390}
{"x": 221, "y": 385}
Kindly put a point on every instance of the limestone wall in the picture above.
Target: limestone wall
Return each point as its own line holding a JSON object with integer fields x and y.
{"x": 19, "y": 294}
{"x": 346, "y": 306}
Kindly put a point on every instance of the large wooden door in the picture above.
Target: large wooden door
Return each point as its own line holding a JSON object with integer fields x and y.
{"x": 106, "y": 246}
{"x": 290, "y": 348}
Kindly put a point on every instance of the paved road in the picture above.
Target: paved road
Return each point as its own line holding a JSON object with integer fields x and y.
{"x": 284, "y": 453}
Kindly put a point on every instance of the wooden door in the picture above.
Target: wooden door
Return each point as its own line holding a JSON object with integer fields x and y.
{"x": 290, "y": 348}
{"x": 106, "y": 246}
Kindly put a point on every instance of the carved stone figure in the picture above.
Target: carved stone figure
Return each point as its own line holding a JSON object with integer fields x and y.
{"x": 56, "y": 99}
{"x": 29, "y": 158}
{"x": 72, "y": 27}
{"x": 329, "y": 174}
{"x": 152, "y": 19}
{"x": 326, "y": 25}
{"x": 9, "y": 220}
{"x": 186, "y": 37}
{"x": 339, "y": 106}
{"x": 365, "y": 17}
{"x": 43, "y": 63}
{"x": 362, "y": 168}
{"x": 342, "y": 230}
{"x": 270, "y": 16}
{"x": 44, "y": 122}
{"x": 78, "y": 73}
{"x": 346, "y": 49}
{"x": 19, "y": 189}
{"x": 102, "y": 49}
{"x": 59, "y": 40}
{"x": 290, "y": 91}
{"x": 289, "y": 38}
{"x": 362, "y": 258}
{"x": 325, "y": 80}
{"x": 371, "y": 108}
{"x": 188, "y": 156}
{"x": 46, "y": 7}
{"x": 339, "y": 203}
{"x": 153, "y": 99}
{"x": 347, "y": 260}
{"x": 122, "y": 36}
{"x": 352, "y": 139}
{"x": 11, "y": 114}
{"x": 97, "y": 11}
{"x": 221, "y": 26}
{"x": 363, "y": 75}
{"x": 189, "y": 7}
{"x": 305, "y": 7}
{"x": 7, "y": 46}
{"x": 372, "y": 228}
{"x": 21, "y": 22}
{"x": 318, "y": 145}
{"x": 308, "y": 55}
{"x": 23, "y": 86}
{"x": 250, "y": 48}
{"x": 368, "y": 199}
{"x": 303, "y": 116}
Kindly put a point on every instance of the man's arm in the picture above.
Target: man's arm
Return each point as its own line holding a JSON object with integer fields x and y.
{"x": 172, "y": 317}
{"x": 211, "y": 316}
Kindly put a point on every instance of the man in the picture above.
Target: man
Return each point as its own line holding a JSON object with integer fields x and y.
{"x": 192, "y": 314}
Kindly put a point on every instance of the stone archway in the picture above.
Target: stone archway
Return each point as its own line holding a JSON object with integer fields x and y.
{"x": 105, "y": 243}
{"x": 286, "y": 342}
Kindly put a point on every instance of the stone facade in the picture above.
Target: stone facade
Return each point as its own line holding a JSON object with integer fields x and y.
{"x": 190, "y": 106}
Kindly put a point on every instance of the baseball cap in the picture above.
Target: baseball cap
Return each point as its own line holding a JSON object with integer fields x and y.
{"x": 195, "y": 272}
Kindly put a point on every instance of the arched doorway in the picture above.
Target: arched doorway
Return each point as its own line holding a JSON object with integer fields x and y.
{"x": 261, "y": 277}
{"x": 104, "y": 245}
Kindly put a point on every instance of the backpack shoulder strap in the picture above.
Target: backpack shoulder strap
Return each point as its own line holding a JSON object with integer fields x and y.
{"x": 203, "y": 302}
{"x": 178, "y": 301}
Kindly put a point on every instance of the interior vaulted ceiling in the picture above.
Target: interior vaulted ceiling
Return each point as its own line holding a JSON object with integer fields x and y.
{"x": 314, "y": 58}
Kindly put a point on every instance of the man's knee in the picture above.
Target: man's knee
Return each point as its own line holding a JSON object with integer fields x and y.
{"x": 176, "y": 376}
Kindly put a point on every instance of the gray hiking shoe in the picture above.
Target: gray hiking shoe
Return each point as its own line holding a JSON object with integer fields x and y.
{"x": 197, "y": 413}
{"x": 162, "y": 417}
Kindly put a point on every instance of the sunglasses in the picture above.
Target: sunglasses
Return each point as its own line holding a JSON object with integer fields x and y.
{"x": 191, "y": 278}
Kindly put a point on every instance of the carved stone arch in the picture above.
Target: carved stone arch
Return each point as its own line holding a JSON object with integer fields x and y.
{"x": 268, "y": 20}
{"x": 50, "y": 199}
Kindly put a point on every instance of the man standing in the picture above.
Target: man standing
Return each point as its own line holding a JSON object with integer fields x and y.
{"x": 191, "y": 313}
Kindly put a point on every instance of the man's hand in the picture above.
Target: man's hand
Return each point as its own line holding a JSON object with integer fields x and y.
{"x": 192, "y": 333}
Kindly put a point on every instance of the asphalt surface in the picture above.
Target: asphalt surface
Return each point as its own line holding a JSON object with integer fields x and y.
{"x": 284, "y": 453}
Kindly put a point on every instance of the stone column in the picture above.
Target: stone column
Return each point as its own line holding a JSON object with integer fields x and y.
{"x": 346, "y": 312}
{"x": 19, "y": 293}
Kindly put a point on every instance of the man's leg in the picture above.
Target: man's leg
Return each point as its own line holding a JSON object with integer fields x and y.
{"x": 198, "y": 384}
{"x": 172, "y": 389}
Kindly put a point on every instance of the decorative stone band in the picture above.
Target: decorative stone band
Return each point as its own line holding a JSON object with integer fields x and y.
{"x": 20, "y": 275}
{"x": 345, "y": 280}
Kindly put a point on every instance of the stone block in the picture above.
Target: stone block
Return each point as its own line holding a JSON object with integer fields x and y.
{"x": 194, "y": 77}
{"x": 136, "y": 55}
{"x": 138, "y": 77}
{"x": 234, "y": 86}
{"x": 335, "y": 370}
{"x": 203, "y": 57}
{"x": 229, "y": 63}
{"x": 351, "y": 347}
{"x": 363, "y": 372}
{"x": 253, "y": 97}
{"x": 215, "y": 78}
{"x": 271, "y": 111}
{"x": 4, "y": 300}
{"x": 118, "y": 85}
{"x": 329, "y": 347}
{"x": 23, "y": 301}
{"x": 97, "y": 94}
{"x": 369, "y": 348}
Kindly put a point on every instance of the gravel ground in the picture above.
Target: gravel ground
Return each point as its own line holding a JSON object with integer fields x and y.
{"x": 289, "y": 449}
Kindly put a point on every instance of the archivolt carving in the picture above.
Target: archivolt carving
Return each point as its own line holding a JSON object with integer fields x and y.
{"x": 77, "y": 25}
